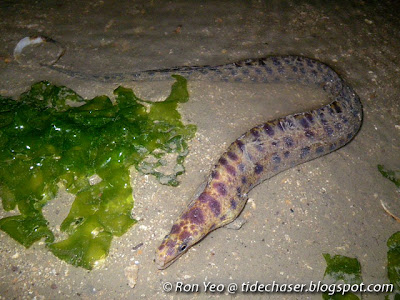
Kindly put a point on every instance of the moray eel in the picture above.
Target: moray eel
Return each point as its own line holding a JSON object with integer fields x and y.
{"x": 266, "y": 149}
{"x": 261, "y": 152}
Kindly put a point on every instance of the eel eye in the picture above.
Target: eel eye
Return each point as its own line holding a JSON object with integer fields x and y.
{"x": 182, "y": 247}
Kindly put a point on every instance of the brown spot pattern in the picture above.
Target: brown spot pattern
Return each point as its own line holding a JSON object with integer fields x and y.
{"x": 195, "y": 215}
{"x": 221, "y": 188}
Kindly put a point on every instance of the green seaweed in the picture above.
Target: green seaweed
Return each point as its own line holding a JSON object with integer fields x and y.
{"x": 342, "y": 268}
{"x": 51, "y": 135}
{"x": 393, "y": 263}
{"x": 393, "y": 176}
{"x": 337, "y": 296}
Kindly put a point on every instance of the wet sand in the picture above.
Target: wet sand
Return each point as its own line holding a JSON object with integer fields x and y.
{"x": 329, "y": 205}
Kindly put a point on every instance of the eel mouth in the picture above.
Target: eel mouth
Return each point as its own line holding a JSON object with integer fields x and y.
{"x": 162, "y": 262}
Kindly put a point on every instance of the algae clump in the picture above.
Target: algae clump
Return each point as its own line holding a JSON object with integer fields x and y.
{"x": 51, "y": 135}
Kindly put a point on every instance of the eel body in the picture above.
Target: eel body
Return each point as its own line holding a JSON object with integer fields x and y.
{"x": 261, "y": 152}
{"x": 266, "y": 149}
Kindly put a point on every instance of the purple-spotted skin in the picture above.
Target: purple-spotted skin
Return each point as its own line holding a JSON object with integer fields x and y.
{"x": 266, "y": 149}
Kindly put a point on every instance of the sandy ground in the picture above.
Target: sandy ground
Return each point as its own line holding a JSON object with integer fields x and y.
{"x": 330, "y": 205}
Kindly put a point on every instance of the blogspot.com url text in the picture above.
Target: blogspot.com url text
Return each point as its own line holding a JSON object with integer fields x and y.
{"x": 274, "y": 287}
